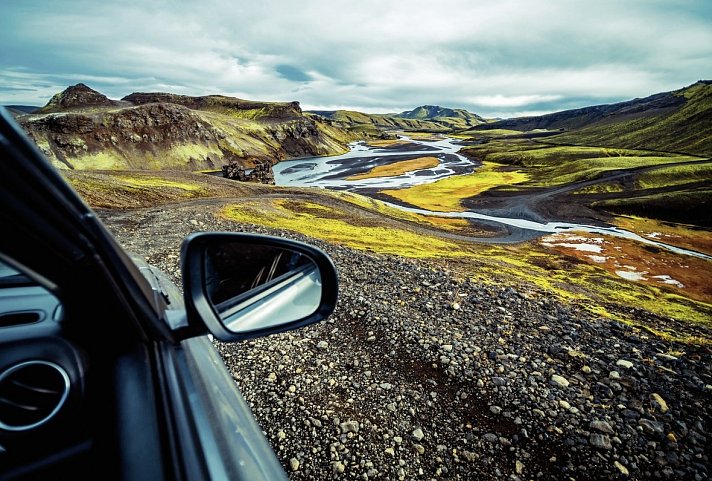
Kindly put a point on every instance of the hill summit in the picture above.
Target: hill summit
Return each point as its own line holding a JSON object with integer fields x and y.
{"x": 80, "y": 128}
{"x": 76, "y": 96}
{"x": 429, "y": 112}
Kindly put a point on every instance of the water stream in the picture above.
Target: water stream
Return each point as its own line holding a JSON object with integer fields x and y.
{"x": 332, "y": 173}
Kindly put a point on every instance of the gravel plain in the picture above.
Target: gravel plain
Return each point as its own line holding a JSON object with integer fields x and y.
{"x": 422, "y": 373}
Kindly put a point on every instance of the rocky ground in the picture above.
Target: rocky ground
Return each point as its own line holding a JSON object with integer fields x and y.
{"x": 423, "y": 374}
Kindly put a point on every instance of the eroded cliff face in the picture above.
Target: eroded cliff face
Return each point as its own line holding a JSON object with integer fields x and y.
{"x": 166, "y": 131}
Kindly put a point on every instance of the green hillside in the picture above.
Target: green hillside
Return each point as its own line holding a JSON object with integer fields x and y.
{"x": 82, "y": 129}
{"x": 426, "y": 118}
{"x": 687, "y": 128}
{"x": 678, "y": 121}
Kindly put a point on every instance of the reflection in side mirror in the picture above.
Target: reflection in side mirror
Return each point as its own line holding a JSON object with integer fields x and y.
{"x": 253, "y": 286}
{"x": 241, "y": 286}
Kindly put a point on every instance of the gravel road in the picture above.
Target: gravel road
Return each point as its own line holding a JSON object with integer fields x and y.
{"x": 424, "y": 374}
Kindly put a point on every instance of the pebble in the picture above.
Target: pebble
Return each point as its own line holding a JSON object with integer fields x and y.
{"x": 600, "y": 441}
{"x": 602, "y": 426}
{"x": 418, "y": 434}
{"x": 623, "y": 470}
{"x": 559, "y": 380}
{"x": 624, "y": 363}
{"x": 650, "y": 426}
{"x": 349, "y": 427}
{"x": 658, "y": 402}
{"x": 438, "y": 368}
{"x": 294, "y": 464}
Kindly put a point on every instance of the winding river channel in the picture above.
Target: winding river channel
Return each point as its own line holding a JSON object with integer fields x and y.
{"x": 333, "y": 172}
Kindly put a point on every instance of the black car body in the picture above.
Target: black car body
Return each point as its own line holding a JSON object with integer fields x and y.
{"x": 104, "y": 369}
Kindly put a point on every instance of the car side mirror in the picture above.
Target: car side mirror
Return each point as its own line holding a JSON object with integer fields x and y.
{"x": 242, "y": 286}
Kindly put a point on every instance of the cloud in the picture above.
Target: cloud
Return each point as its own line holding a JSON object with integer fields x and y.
{"x": 292, "y": 73}
{"x": 511, "y": 101}
{"x": 493, "y": 57}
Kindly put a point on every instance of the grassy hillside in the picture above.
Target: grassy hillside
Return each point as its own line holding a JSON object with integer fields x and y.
{"x": 551, "y": 165}
{"x": 429, "y": 118}
{"x": 451, "y": 118}
{"x": 688, "y": 128}
{"x": 82, "y": 129}
{"x": 678, "y": 121}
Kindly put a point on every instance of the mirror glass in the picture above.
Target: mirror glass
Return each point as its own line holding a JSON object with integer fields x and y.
{"x": 253, "y": 286}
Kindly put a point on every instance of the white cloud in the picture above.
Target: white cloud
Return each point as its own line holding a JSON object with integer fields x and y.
{"x": 499, "y": 100}
{"x": 495, "y": 57}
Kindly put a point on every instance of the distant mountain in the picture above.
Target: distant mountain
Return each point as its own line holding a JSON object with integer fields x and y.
{"x": 81, "y": 128}
{"x": 21, "y": 109}
{"x": 425, "y": 118}
{"x": 679, "y": 121}
{"x": 435, "y": 112}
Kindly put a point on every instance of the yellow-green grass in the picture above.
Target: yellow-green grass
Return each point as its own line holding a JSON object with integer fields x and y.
{"x": 373, "y": 205}
{"x": 556, "y": 165}
{"x": 689, "y": 275}
{"x": 157, "y": 183}
{"x": 527, "y": 265}
{"x": 397, "y": 168}
{"x": 602, "y": 188}
{"x": 473, "y": 134}
{"x": 591, "y": 168}
{"x": 327, "y": 223}
{"x": 680, "y": 235}
{"x": 424, "y": 136}
{"x": 533, "y": 154}
{"x": 593, "y": 289}
{"x": 675, "y": 175}
{"x": 447, "y": 194}
{"x": 128, "y": 189}
{"x": 106, "y": 160}
{"x": 387, "y": 142}
{"x": 691, "y": 198}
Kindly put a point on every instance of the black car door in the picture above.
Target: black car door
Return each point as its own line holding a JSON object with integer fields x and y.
{"x": 140, "y": 403}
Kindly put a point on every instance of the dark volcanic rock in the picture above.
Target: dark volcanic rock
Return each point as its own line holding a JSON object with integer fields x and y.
{"x": 76, "y": 96}
{"x": 221, "y": 103}
{"x": 261, "y": 173}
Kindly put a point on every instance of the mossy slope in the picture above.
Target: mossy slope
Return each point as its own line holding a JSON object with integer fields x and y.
{"x": 166, "y": 131}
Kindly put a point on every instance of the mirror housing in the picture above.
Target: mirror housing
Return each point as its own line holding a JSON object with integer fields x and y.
{"x": 243, "y": 286}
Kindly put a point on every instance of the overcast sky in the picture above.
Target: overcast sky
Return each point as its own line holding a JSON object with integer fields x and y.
{"x": 495, "y": 57}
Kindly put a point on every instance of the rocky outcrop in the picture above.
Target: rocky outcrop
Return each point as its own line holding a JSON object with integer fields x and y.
{"x": 260, "y": 173}
{"x": 76, "y": 97}
{"x": 223, "y": 104}
{"x": 82, "y": 129}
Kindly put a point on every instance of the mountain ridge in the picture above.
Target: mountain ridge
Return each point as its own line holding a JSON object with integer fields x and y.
{"x": 431, "y": 118}
{"x": 435, "y": 111}
{"x": 80, "y": 128}
{"x": 679, "y": 120}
